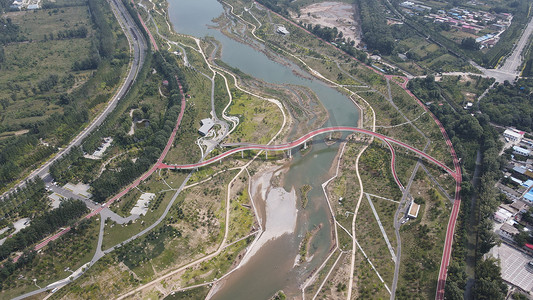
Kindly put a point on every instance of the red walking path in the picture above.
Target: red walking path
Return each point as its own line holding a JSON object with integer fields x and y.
{"x": 456, "y": 174}
{"x": 455, "y": 210}
{"x": 305, "y": 138}
{"x": 152, "y": 40}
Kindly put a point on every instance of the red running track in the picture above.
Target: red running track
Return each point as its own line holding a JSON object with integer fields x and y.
{"x": 393, "y": 166}
{"x": 302, "y": 140}
{"x": 455, "y": 210}
{"x": 152, "y": 40}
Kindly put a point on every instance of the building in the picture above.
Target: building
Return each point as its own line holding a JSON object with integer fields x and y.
{"x": 207, "y": 124}
{"x": 528, "y": 197}
{"x": 413, "y": 210}
{"x": 33, "y": 6}
{"x": 520, "y": 206}
{"x": 16, "y": 5}
{"x": 508, "y": 231}
{"x": 512, "y": 194}
{"x": 521, "y": 151}
{"x": 502, "y": 215}
{"x": 282, "y": 30}
{"x": 513, "y": 135}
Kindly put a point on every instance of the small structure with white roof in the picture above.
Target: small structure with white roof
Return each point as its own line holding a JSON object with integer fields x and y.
{"x": 282, "y": 30}
{"x": 513, "y": 135}
{"x": 413, "y": 210}
{"x": 502, "y": 215}
{"x": 521, "y": 151}
{"x": 207, "y": 124}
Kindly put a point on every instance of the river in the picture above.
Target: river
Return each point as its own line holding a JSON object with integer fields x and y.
{"x": 272, "y": 267}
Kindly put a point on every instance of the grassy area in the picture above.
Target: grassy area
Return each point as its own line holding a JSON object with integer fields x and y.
{"x": 373, "y": 243}
{"x": 54, "y": 79}
{"x": 192, "y": 294}
{"x": 458, "y": 90}
{"x": 260, "y": 119}
{"x": 422, "y": 242}
{"x": 303, "y": 194}
{"x": 241, "y": 215}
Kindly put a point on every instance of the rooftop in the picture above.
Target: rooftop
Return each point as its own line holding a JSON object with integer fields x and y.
{"x": 413, "y": 210}
{"x": 513, "y": 133}
{"x": 207, "y": 124}
{"x": 509, "y": 229}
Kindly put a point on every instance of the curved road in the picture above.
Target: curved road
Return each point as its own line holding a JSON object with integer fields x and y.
{"x": 301, "y": 141}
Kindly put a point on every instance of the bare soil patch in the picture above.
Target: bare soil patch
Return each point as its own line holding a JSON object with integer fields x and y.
{"x": 332, "y": 14}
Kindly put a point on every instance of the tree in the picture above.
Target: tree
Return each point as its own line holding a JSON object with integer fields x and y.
{"x": 522, "y": 238}
{"x": 488, "y": 283}
{"x": 470, "y": 43}
{"x": 452, "y": 291}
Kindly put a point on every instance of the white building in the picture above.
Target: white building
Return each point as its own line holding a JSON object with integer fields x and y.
{"x": 513, "y": 135}
{"x": 207, "y": 124}
{"x": 521, "y": 151}
{"x": 413, "y": 210}
{"x": 502, "y": 215}
{"x": 282, "y": 30}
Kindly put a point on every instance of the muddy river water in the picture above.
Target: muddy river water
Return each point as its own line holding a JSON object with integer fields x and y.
{"x": 272, "y": 267}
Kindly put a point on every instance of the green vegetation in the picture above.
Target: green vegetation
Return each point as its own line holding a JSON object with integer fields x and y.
{"x": 280, "y": 296}
{"x": 510, "y": 104}
{"x": 376, "y": 34}
{"x": 469, "y": 135}
{"x": 28, "y": 201}
{"x": 76, "y": 60}
{"x": 458, "y": 90}
{"x": 303, "y": 194}
{"x": 151, "y": 139}
{"x": 192, "y": 294}
{"x": 56, "y": 261}
{"x": 303, "y": 246}
{"x": 67, "y": 211}
{"x": 423, "y": 241}
{"x": 137, "y": 252}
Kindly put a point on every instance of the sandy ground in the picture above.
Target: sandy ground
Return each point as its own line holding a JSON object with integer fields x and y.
{"x": 280, "y": 211}
{"x": 332, "y": 14}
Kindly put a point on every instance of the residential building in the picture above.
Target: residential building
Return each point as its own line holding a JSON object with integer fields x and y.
{"x": 513, "y": 135}
{"x": 521, "y": 151}
{"x": 508, "y": 231}
{"x": 502, "y": 215}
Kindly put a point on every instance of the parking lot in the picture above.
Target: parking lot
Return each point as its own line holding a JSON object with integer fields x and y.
{"x": 514, "y": 266}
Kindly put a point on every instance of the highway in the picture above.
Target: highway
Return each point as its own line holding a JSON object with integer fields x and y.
{"x": 138, "y": 48}
{"x": 302, "y": 140}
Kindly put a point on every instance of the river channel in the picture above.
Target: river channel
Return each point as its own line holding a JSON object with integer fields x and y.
{"x": 272, "y": 267}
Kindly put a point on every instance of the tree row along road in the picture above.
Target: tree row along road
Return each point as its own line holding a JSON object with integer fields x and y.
{"x": 138, "y": 48}
{"x": 302, "y": 140}
{"x": 122, "y": 91}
